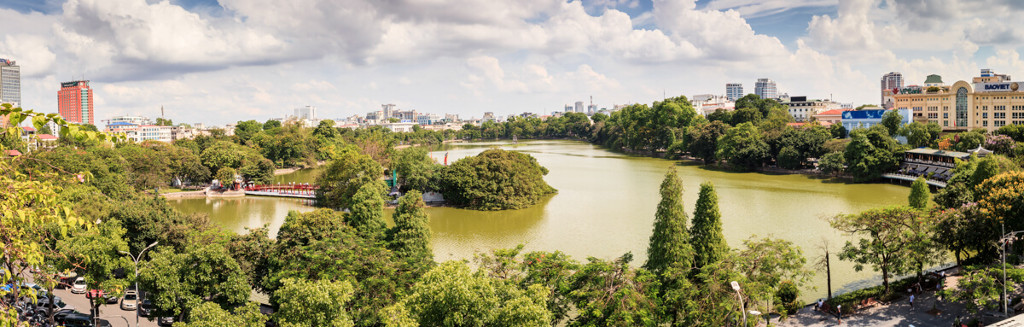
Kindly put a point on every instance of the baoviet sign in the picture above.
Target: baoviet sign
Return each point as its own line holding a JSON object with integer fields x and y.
{"x": 997, "y": 87}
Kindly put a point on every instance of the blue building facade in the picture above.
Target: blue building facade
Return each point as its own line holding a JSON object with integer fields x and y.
{"x": 855, "y": 119}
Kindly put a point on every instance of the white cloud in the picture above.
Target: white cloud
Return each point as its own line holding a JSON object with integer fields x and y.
{"x": 758, "y": 8}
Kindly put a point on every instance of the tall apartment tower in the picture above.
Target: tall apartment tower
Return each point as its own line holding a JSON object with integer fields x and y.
{"x": 765, "y": 88}
{"x": 579, "y": 106}
{"x": 10, "y": 82}
{"x": 892, "y": 80}
{"x": 733, "y": 91}
{"x": 74, "y": 102}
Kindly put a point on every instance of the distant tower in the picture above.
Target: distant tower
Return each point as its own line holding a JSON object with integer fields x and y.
{"x": 892, "y": 80}
{"x": 10, "y": 82}
{"x": 74, "y": 102}
{"x": 579, "y": 106}
{"x": 766, "y": 89}
{"x": 733, "y": 91}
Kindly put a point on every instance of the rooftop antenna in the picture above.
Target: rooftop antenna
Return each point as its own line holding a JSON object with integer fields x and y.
{"x": 161, "y": 111}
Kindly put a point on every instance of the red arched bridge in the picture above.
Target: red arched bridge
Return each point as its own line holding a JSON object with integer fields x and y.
{"x": 302, "y": 191}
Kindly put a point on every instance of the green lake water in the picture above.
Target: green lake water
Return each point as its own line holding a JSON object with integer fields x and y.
{"x": 605, "y": 207}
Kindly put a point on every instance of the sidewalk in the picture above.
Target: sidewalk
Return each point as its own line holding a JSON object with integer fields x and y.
{"x": 898, "y": 313}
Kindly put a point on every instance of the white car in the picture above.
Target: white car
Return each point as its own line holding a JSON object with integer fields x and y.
{"x": 130, "y": 300}
{"x": 79, "y": 286}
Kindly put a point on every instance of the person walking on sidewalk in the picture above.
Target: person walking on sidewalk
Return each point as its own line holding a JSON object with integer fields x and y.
{"x": 911, "y": 301}
{"x": 839, "y": 313}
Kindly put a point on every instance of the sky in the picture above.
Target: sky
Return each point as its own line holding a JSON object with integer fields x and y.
{"x": 221, "y": 61}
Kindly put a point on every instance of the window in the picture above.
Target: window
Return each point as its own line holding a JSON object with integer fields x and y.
{"x": 945, "y": 115}
{"x": 984, "y": 123}
{"x": 945, "y": 123}
{"x": 999, "y": 115}
{"x": 961, "y": 107}
{"x": 933, "y": 115}
{"x": 999, "y": 123}
{"x": 984, "y": 115}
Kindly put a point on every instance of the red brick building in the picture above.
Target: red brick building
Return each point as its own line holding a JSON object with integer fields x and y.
{"x": 74, "y": 102}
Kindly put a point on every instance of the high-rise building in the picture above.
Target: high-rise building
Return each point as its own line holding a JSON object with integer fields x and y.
{"x": 307, "y": 113}
{"x": 10, "y": 85}
{"x": 579, "y": 106}
{"x": 74, "y": 102}
{"x": 733, "y": 91}
{"x": 890, "y": 81}
{"x": 10, "y": 82}
{"x": 765, "y": 88}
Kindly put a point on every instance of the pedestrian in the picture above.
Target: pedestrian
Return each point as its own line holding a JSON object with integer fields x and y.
{"x": 911, "y": 300}
{"x": 957, "y": 322}
{"x": 839, "y": 312}
{"x": 817, "y": 306}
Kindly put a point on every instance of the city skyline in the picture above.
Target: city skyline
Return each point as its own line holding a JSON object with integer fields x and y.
{"x": 220, "y": 62}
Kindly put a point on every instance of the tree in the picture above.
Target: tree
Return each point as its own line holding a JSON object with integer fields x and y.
{"x": 160, "y": 121}
{"x": 921, "y": 135}
{"x": 245, "y": 160}
{"x": 769, "y": 263}
{"x": 245, "y": 130}
{"x": 271, "y": 124}
{"x": 610, "y": 293}
{"x": 832, "y": 163}
{"x": 495, "y": 179}
{"x": 1001, "y": 199}
{"x": 209, "y": 314}
{"x": 204, "y": 272}
{"x": 367, "y": 212}
{"x": 340, "y": 180}
{"x": 789, "y": 158}
{"x": 410, "y": 238}
{"x": 669, "y": 243}
{"x": 919, "y": 194}
{"x": 892, "y": 121}
{"x": 252, "y": 251}
{"x": 966, "y": 232}
{"x": 318, "y": 245}
{"x": 704, "y": 141}
{"x": 226, "y": 176}
{"x": 744, "y": 147}
{"x": 414, "y": 167}
{"x": 884, "y": 243}
{"x": 451, "y": 295}
{"x": 313, "y": 303}
{"x": 982, "y": 287}
{"x": 871, "y": 153}
{"x": 707, "y": 239}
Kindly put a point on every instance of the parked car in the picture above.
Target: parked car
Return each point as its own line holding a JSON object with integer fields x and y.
{"x": 78, "y": 319}
{"x": 130, "y": 300}
{"x": 79, "y": 286}
{"x": 165, "y": 321}
{"x": 146, "y": 308}
{"x": 58, "y": 305}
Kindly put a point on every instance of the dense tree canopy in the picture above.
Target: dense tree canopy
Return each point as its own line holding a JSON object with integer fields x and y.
{"x": 494, "y": 180}
{"x": 343, "y": 176}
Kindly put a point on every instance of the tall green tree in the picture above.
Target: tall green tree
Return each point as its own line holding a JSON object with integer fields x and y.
{"x": 179, "y": 281}
{"x": 451, "y": 295}
{"x": 871, "y": 153}
{"x": 245, "y": 130}
{"x": 611, "y": 293}
{"x": 669, "y": 243}
{"x": 919, "y": 194}
{"x": 209, "y": 314}
{"x": 704, "y": 140}
{"x": 885, "y": 239}
{"x": 313, "y": 303}
{"x": 367, "y": 212}
{"x": 706, "y": 234}
{"x": 410, "y": 238}
{"x": 744, "y": 147}
{"x": 340, "y": 180}
{"x": 892, "y": 121}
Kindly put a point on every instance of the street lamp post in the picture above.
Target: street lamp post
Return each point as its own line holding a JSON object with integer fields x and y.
{"x": 1006, "y": 239}
{"x": 736, "y": 287}
{"x": 138, "y": 297}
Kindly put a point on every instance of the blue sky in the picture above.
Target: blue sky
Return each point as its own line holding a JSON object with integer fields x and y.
{"x": 221, "y": 61}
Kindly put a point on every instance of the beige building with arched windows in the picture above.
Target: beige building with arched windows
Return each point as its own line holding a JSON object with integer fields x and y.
{"x": 990, "y": 101}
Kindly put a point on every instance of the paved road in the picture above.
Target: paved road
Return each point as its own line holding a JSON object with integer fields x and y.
{"x": 110, "y": 312}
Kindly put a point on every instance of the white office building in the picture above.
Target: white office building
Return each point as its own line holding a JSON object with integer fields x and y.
{"x": 733, "y": 91}
{"x": 766, "y": 89}
{"x": 10, "y": 82}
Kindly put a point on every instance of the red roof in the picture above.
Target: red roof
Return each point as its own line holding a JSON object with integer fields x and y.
{"x": 46, "y": 137}
{"x": 833, "y": 112}
{"x": 13, "y": 153}
{"x": 28, "y": 129}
